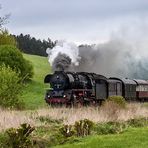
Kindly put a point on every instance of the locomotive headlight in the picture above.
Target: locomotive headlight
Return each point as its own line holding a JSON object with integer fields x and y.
{"x": 64, "y": 96}
{"x": 48, "y": 96}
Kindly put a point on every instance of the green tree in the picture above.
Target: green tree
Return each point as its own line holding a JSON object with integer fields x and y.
{"x": 12, "y": 57}
{"x": 31, "y": 45}
{"x": 10, "y": 88}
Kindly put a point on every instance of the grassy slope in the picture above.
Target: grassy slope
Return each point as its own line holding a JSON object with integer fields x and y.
{"x": 33, "y": 94}
{"x": 133, "y": 138}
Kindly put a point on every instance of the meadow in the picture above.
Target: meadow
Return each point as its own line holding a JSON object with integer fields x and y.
{"x": 34, "y": 91}
{"x": 48, "y": 120}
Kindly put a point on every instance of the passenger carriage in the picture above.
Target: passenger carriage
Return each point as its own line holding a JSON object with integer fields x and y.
{"x": 141, "y": 89}
{"x": 128, "y": 88}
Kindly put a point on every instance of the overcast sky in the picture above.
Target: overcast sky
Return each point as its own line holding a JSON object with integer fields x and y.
{"x": 79, "y": 21}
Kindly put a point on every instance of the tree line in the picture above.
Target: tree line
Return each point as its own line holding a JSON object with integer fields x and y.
{"x": 31, "y": 45}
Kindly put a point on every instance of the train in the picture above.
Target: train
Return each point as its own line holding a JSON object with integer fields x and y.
{"x": 84, "y": 88}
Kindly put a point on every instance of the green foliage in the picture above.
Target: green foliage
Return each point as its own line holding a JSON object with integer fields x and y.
{"x": 110, "y": 128}
{"x": 7, "y": 39}
{"x": 20, "y": 138}
{"x": 138, "y": 122}
{"x": 67, "y": 130}
{"x": 31, "y": 45}
{"x": 132, "y": 138}
{"x": 12, "y": 57}
{"x": 10, "y": 88}
{"x": 3, "y": 140}
{"x": 52, "y": 134}
{"x": 83, "y": 127}
{"x": 119, "y": 100}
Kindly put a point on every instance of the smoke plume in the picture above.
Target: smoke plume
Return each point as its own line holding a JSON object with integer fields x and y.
{"x": 64, "y": 56}
{"x": 114, "y": 58}
{"x": 61, "y": 62}
{"x": 124, "y": 55}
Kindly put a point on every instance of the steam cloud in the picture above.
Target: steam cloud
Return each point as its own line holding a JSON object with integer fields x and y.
{"x": 123, "y": 55}
{"x": 64, "y": 56}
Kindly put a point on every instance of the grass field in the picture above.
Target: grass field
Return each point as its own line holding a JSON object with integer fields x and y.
{"x": 33, "y": 94}
{"x": 133, "y": 138}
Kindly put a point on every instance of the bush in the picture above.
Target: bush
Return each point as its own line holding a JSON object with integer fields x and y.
{"x": 10, "y": 88}
{"x": 83, "y": 127}
{"x": 20, "y": 138}
{"x": 12, "y": 57}
{"x": 138, "y": 122}
{"x": 6, "y": 39}
{"x": 67, "y": 131}
{"x": 110, "y": 128}
{"x": 118, "y": 100}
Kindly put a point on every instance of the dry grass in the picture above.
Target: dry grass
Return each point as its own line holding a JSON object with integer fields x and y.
{"x": 9, "y": 118}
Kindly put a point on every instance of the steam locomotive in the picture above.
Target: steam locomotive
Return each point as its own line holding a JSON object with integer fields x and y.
{"x": 81, "y": 88}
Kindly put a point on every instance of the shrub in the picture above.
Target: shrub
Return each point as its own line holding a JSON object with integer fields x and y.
{"x": 3, "y": 140}
{"x": 83, "y": 127}
{"x": 110, "y": 128}
{"x": 20, "y": 138}
{"x": 138, "y": 122}
{"x": 6, "y": 39}
{"x": 10, "y": 88}
{"x": 12, "y": 57}
{"x": 67, "y": 130}
{"x": 118, "y": 100}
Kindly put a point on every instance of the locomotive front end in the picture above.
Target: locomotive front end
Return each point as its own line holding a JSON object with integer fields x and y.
{"x": 57, "y": 93}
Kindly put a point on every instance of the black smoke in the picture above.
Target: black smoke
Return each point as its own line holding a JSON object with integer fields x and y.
{"x": 61, "y": 62}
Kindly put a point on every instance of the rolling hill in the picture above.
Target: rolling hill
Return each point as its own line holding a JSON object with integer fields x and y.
{"x": 33, "y": 94}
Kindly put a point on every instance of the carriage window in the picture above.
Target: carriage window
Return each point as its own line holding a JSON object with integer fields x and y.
{"x": 115, "y": 88}
{"x": 131, "y": 88}
{"x": 142, "y": 87}
{"x": 112, "y": 87}
{"x": 118, "y": 86}
{"x": 127, "y": 87}
{"x": 146, "y": 87}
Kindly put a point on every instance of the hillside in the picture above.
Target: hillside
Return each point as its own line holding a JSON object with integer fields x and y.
{"x": 33, "y": 94}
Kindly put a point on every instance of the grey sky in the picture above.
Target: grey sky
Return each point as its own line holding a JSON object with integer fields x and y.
{"x": 81, "y": 21}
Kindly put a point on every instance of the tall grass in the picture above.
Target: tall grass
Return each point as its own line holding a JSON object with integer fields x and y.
{"x": 96, "y": 114}
{"x": 11, "y": 118}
